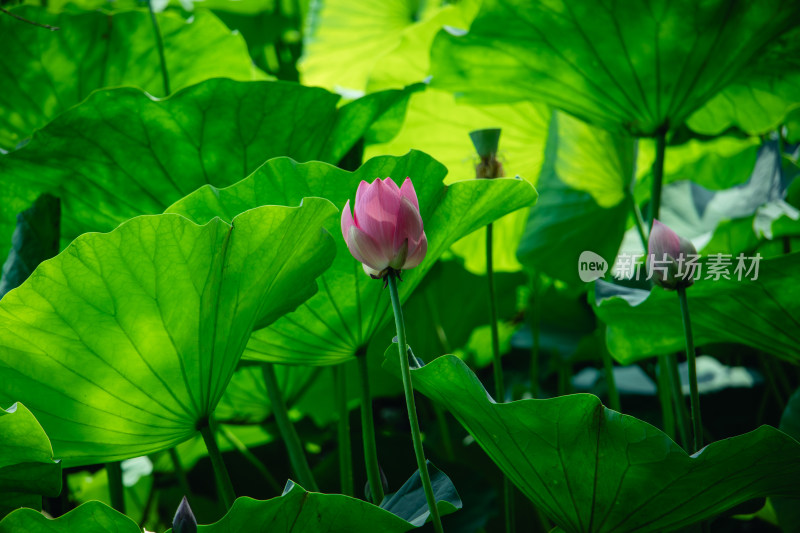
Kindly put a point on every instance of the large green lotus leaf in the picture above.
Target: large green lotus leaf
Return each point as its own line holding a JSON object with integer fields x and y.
{"x": 300, "y": 511}
{"x": 124, "y": 343}
{"x": 27, "y": 468}
{"x": 246, "y": 400}
{"x": 46, "y": 72}
{"x": 638, "y": 66}
{"x": 763, "y": 313}
{"x": 351, "y": 307}
{"x": 345, "y": 40}
{"x": 787, "y": 510}
{"x": 593, "y": 469}
{"x": 91, "y": 517}
{"x": 715, "y": 164}
{"x": 762, "y": 94}
{"x": 436, "y": 124}
{"x": 121, "y": 153}
{"x": 583, "y": 184}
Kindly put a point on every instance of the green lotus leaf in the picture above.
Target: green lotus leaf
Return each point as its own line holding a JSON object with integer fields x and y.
{"x": 46, "y": 72}
{"x": 91, "y": 517}
{"x": 762, "y": 313}
{"x": 351, "y": 307}
{"x": 584, "y": 184}
{"x": 591, "y": 469}
{"x": 643, "y": 67}
{"x": 346, "y": 41}
{"x": 123, "y": 344}
{"x": 122, "y": 153}
{"x": 762, "y": 95}
{"x": 300, "y": 511}
{"x": 27, "y": 468}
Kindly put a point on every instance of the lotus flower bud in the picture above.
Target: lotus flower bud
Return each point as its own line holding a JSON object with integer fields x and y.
{"x": 385, "y": 231}
{"x": 670, "y": 258}
{"x": 184, "y": 521}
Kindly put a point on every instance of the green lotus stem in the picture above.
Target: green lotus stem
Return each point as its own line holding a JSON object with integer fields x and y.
{"x": 160, "y": 46}
{"x": 224, "y": 484}
{"x": 297, "y": 457}
{"x": 115, "y": 489}
{"x": 613, "y": 393}
{"x": 658, "y": 176}
{"x": 637, "y": 216}
{"x": 665, "y": 396}
{"x": 241, "y": 447}
{"x": 697, "y": 424}
{"x": 497, "y": 367}
{"x": 408, "y": 389}
{"x": 533, "y": 307}
{"x": 678, "y": 402}
{"x": 180, "y": 473}
{"x": 444, "y": 345}
{"x": 343, "y": 431}
{"x": 368, "y": 431}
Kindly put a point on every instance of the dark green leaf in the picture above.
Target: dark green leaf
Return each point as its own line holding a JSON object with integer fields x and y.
{"x": 409, "y": 501}
{"x": 35, "y": 239}
{"x": 593, "y": 469}
{"x": 763, "y": 313}
{"x": 125, "y": 342}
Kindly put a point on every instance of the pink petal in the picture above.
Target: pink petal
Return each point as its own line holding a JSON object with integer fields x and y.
{"x": 407, "y": 191}
{"x": 347, "y": 220}
{"x": 365, "y": 249}
{"x": 376, "y": 213}
{"x": 409, "y": 226}
{"x": 416, "y": 256}
{"x": 663, "y": 241}
{"x": 362, "y": 187}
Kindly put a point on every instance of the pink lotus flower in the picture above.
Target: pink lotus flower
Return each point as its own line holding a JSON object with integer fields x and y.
{"x": 670, "y": 258}
{"x": 386, "y": 231}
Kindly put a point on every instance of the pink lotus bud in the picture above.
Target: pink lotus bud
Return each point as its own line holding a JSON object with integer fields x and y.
{"x": 386, "y": 231}
{"x": 670, "y": 258}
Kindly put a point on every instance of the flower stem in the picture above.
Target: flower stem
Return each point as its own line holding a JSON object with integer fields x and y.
{"x": 408, "y": 389}
{"x": 678, "y": 401}
{"x": 368, "y": 431}
{"x": 228, "y": 435}
{"x": 220, "y": 471}
{"x": 160, "y": 46}
{"x": 658, "y": 175}
{"x": 294, "y": 447}
{"x": 697, "y": 424}
{"x": 497, "y": 367}
{"x": 613, "y": 393}
{"x": 343, "y": 431}
{"x": 115, "y": 489}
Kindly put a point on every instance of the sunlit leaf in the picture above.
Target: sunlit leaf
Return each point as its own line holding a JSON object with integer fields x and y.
{"x": 123, "y": 344}
{"x": 91, "y": 517}
{"x": 350, "y": 306}
{"x": 46, "y": 72}
{"x": 583, "y": 207}
{"x": 27, "y": 468}
{"x": 121, "y": 153}
{"x": 593, "y": 469}
{"x": 643, "y": 67}
{"x": 762, "y": 95}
